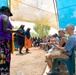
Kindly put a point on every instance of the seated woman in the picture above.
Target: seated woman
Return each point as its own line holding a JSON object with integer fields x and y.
{"x": 61, "y": 42}
{"x": 61, "y": 39}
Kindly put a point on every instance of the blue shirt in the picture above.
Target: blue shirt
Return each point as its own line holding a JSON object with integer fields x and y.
{"x": 70, "y": 44}
{"x": 21, "y": 37}
{"x": 27, "y": 34}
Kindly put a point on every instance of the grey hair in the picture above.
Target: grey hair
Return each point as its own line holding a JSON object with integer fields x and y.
{"x": 71, "y": 26}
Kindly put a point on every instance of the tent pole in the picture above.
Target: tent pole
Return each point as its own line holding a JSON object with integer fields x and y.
{"x": 55, "y": 8}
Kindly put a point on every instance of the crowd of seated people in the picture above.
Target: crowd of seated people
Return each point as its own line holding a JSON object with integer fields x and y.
{"x": 57, "y": 38}
{"x": 36, "y": 41}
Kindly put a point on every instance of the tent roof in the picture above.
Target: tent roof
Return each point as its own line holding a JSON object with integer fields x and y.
{"x": 36, "y": 11}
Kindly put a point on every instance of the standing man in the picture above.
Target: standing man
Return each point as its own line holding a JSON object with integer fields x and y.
{"x": 66, "y": 51}
{"x": 28, "y": 41}
{"x": 21, "y": 38}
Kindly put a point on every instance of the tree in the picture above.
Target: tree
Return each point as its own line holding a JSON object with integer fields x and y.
{"x": 15, "y": 27}
{"x": 41, "y": 30}
{"x": 33, "y": 34}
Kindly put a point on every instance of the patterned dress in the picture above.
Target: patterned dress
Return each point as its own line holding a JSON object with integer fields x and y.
{"x": 4, "y": 55}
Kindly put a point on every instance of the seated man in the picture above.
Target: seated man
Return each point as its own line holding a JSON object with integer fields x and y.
{"x": 62, "y": 52}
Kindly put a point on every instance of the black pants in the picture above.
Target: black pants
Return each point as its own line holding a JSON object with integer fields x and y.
{"x": 21, "y": 44}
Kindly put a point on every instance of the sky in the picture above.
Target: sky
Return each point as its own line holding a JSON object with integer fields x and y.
{"x": 31, "y": 25}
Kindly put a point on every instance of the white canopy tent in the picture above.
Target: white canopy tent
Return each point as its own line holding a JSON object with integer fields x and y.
{"x": 35, "y": 11}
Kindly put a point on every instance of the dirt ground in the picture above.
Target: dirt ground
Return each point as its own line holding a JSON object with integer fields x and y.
{"x": 32, "y": 63}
